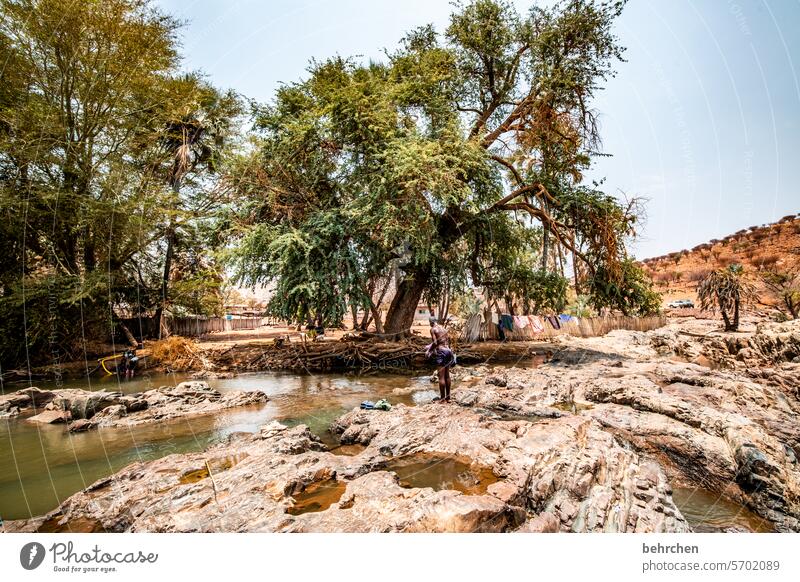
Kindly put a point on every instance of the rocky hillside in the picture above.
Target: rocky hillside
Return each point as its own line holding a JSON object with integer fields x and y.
{"x": 771, "y": 247}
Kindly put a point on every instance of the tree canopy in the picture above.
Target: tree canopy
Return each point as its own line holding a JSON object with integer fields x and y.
{"x": 460, "y": 153}
{"x": 131, "y": 187}
{"x": 97, "y": 123}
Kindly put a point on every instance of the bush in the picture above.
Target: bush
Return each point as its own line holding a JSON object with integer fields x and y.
{"x": 766, "y": 260}
{"x": 632, "y": 293}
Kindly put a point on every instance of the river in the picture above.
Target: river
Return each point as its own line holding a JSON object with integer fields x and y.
{"x": 41, "y": 465}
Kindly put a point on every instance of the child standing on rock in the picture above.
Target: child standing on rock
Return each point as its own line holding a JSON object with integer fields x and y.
{"x": 439, "y": 349}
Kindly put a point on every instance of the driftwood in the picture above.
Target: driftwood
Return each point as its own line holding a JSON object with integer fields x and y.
{"x": 341, "y": 354}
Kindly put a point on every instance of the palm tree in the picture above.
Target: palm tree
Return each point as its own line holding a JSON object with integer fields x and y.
{"x": 728, "y": 290}
{"x": 193, "y": 138}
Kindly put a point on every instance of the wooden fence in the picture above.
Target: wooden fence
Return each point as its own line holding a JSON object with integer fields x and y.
{"x": 581, "y": 327}
{"x": 147, "y": 327}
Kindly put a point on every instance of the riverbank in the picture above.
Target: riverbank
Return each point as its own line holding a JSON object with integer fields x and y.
{"x": 276, "y": 348}
{"x": 82, "y": 410}
{"x": 609, "y": 435}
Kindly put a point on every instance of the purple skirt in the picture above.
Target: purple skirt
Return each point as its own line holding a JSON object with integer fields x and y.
{"x": 445, "y": 358}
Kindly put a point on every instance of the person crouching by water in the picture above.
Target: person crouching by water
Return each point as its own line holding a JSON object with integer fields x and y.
{"x": 439, "y": 349}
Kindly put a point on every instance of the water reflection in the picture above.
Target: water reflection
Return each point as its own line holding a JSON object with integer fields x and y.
{"x": 41, "y": 465}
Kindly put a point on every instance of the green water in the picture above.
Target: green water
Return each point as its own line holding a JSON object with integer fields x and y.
{"x": 41, "y": 465}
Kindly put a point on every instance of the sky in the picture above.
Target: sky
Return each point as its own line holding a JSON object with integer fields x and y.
{"x": 702, "y": 120}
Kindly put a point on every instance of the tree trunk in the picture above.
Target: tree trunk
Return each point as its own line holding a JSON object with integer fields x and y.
{"x": 545, "y": 246}
{"x": 354, "y": 314}
{"x": 162, "y": 326}
{"x": 735, "y": 315}
{"x": 406, "y": 299}
{"x": 128, "y": 335}
{"x": 376, "y": 315}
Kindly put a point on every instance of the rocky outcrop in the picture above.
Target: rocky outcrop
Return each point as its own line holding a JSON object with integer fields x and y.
{"x": 28, "y": 398}
{"x": 566, "y": 474}
{"x": 84, "y": 410}
{"x": 709, "y": 428}
{"x": 594, "y": 440}
{"x": 253, "y": 482}
{"x": 771, "y": 345}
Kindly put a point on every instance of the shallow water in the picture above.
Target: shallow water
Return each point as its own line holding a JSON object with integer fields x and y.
{"x": 707, "y": 511}
{"x": 439, "y": 472}
{"x": 317, "y": 496}
{"x": 41, "y": 465}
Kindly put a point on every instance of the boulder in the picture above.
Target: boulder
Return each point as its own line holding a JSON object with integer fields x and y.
{"x": 51, "y": 417}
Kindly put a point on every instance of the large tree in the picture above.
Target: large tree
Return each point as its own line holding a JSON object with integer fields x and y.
{"x": 87, "y": 92}
{"x": 436, "y": 157}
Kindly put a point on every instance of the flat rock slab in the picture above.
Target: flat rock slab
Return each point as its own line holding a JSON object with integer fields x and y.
{"x": 86, "y": 410}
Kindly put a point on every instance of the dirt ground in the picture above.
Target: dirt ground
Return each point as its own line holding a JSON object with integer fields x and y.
{"x": 267, "y": 333}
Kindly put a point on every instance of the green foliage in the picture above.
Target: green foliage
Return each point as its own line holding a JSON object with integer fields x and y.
{"x": 633, "y": 294}
{"x": 466, "y": 304}
{"x": 440, "y": 159}
{"x": 98, "y": 132}
{"x": 728, "y": 290}
{"x": 316, "y": 268}
{"x": 785, "y": 286}
{"x": 581, "y": 307}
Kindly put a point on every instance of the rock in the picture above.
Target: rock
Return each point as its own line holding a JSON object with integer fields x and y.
{"x": 466, "y": 397}
{"x": 721, "y": 430}
{"x": 543, "y": 523}
{"x": 84, "y": 403}
{"x": 210, "y": 375}
{"x": 193, "y": 398}
{"x": 496, "y": 380}
{"x": 51, "y": 417}
{"x": 565, "y": 467}
{"x": 23, "y": 399}
{"x": 109, "y": 414}
{"x": 593, "y": 470}
{"x": 134, "y": 403}
{"x": 257, "y": 479}
{"x": 81, "y": 425}
{"x": 107, "y": 409}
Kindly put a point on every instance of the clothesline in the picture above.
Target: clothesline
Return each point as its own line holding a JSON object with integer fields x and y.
{"x": 537, "y": 323}
{"x": 504, "y": 326}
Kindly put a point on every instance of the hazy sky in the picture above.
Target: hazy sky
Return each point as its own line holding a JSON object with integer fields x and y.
{"x": 703, "y": 119}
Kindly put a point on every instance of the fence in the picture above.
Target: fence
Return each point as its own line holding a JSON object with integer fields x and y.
{"x": 581, "y": 327}
{"x": 147, "y": 327}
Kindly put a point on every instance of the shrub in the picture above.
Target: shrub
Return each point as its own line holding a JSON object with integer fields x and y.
{"x": 766, "y": 260}
{"x": 632, "y": 295}
{"x": 698, "y": 275}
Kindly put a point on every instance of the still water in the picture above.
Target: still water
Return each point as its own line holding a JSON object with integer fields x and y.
{"x": 709, "y": 512}
{"x": 41, "y": 465}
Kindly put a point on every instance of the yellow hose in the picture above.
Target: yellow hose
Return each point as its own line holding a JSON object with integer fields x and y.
{"x": 103, "y": 363}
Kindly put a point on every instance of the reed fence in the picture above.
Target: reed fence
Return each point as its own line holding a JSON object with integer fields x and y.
{"x": 147, "y": 327}
{"x": 580, "y": 327}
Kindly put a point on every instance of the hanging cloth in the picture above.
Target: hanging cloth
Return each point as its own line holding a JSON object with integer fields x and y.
{"x": 507, "y": 322}
{"x": 536, "y": 324}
